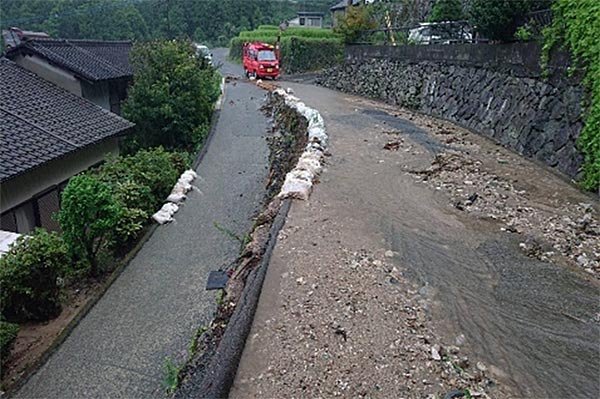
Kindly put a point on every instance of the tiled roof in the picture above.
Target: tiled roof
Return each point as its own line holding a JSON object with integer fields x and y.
{"x": 40, "y": 121}
{"x": 343, "y": 4}
{"x": 91, "y": 60}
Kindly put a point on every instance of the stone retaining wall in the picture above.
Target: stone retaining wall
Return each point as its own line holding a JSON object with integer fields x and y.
{"x": 495, "y": 90}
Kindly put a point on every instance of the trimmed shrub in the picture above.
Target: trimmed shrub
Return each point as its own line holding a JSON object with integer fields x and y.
{"x": 28, "y": 277}
{"x": 88, "y": 217}
{"x": 300, "y": 54}
{"x": 140, "y": 183}
{"x": 8, "y": 334}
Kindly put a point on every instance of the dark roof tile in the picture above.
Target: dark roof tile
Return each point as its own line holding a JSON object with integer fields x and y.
{"x": 40, "y": 121}
{"x": 89, "y": 59}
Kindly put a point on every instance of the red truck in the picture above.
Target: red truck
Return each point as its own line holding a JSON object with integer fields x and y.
{"x": 260, "y": 60}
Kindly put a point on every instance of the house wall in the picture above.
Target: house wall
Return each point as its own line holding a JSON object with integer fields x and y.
{"x": 98, "y": 93}
{"x": 47, "y": 71}
{"x": 495, "y": 90}
{"x": 17, "y": 194}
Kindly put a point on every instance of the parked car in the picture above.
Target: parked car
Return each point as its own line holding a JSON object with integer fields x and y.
{"x": 440, "y": 32}
{"x": 260, "y": 60}
{"x": 203, "y": 51}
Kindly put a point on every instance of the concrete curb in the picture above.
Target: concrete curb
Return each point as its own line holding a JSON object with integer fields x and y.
{"x": 220, "y": 373}
{"x": 213, "y": 126}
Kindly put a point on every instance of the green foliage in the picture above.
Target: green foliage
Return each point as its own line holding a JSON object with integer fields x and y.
{"x": 213, "y": 22}
{"x": 140, "y": 183}
{"x": 497, "y": 20}
{"x": 524, "y": 33}
{"x": 352, "y": 22}
{"x": 28, "y": 277}
{"x": 446, "y": 10}
{"x": 88, "y": 217}
{"x": 171, "y": 375}
{"x": 172, "y": 96}
{"x": 301, "y": 54}
{"x": 8, "y": 334}
{"x": 576, "y": 24}
{"x": 302, "y": 49}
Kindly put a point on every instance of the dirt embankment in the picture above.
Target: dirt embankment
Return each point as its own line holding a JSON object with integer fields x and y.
{"x": 210, "y": 364}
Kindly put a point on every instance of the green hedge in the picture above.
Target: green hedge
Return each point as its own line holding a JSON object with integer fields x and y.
{"x": 267, "y": 27}
{"x": 298, "y": 54}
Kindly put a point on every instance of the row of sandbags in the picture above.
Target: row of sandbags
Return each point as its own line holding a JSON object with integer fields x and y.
{"x": 177, "y": 196}
{"x": 298, "y": 183}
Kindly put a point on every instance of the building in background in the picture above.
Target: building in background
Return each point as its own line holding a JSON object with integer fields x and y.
{"x": 98, "y": 71}
{"x": 307, "y": 19}
{"x": 47, "y": 135}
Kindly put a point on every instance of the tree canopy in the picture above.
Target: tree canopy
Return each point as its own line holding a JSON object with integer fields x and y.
{"x": 210, "y": 21}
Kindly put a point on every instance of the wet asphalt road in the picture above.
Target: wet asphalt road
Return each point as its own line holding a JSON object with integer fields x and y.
{"x": 152, "y": 310}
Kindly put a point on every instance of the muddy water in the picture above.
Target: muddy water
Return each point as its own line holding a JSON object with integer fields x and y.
{"x": 532, "y": 320}
{"x": 535, "y": 322}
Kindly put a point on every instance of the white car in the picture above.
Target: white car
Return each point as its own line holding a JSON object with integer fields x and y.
{"x": 203, "y": 51}
{"x": 439, "y": 32}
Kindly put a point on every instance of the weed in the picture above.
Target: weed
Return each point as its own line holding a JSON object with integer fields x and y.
{"x": 171, "y": 375}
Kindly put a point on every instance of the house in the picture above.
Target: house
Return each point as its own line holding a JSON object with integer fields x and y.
{"x": 95, "y": 70}
{"x": 47, "y": 135}
{"x": 308, "y": 19}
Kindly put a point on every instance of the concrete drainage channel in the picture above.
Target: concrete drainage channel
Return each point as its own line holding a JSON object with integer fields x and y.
{"x": 297, "y": 154}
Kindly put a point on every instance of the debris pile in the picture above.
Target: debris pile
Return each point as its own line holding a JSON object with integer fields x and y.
{"x": 177, "y": 196}
{"x": 574, "y": 232}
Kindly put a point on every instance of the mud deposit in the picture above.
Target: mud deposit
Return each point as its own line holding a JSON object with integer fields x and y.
{"x": 535, "y": 321}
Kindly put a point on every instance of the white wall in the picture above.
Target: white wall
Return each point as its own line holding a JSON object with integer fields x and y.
{"x": 27, "y": 185}
{"x": 43, "y": 69}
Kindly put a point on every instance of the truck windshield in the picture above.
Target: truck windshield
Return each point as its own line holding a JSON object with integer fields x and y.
{"x": 266, "y": 55}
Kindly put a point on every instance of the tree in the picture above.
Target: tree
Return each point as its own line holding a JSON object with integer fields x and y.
{"x": 353, "y": 22}
{"x": 172, "y": 96}
{"x": 497, "y": 20}
{"x": 88, "y": 217}
{"x": 446, "y": 10}
{"x": 29, "y": 274}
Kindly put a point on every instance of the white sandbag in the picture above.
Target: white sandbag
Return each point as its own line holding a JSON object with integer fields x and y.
{"x": 162, "y": 217}
{"x": 314, "y": 148}
{"x": 169, "y": 208}
{"x": 317, "y": 134}
{"x": 295, "y": 188}
{"x": 189, "y": 175}
{"x": 181, "y": 188}
{"x": 300, "y": 175}
{"x": 176, "y": 198}
{"x": 289, "y": 90}
{"x": 309, "y": 164}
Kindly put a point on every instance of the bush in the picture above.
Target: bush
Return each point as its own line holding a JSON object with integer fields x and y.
{"x": 446, "y": 10}
{"x": 576, "y": 23}
{"x": 497, "y": 20}
{"x": 28, "y": 277}
{"x": 172, "y": 96}
{"x": 88, "y": 217}
{"x": 8, "y": 334}
{"x": 140, "y": 183}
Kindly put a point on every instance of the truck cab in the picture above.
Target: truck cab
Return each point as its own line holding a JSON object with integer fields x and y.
{"x": 260, "y": 60}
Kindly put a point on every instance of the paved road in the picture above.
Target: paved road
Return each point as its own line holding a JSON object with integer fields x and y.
{"x": 151, "y": 311}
